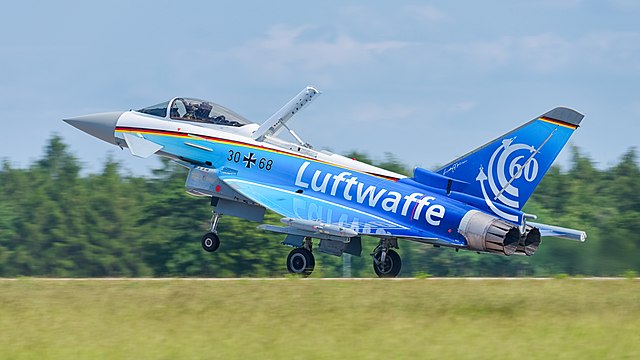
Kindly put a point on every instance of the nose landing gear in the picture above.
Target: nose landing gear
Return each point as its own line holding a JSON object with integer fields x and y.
{"x": 211, "y": 240}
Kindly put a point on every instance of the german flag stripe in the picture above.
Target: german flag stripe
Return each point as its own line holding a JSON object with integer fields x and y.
{"x": 558, "y": 122}
{"x": 182, "y": 135}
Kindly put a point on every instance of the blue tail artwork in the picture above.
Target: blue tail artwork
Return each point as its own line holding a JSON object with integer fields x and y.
{"x": 507, "y": 170}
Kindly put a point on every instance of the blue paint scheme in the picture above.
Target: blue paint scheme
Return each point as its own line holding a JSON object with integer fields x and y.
{"x": 446, "y": 195}
{"x": 276, "y": 190}
{"x": 538, "y": 138}
{"x": 475, "y": 202}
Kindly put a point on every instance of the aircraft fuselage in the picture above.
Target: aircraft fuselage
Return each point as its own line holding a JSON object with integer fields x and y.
{"x": 472, "y": 203}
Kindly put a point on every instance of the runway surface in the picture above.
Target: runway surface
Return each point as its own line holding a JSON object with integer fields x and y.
{"x": 328, "y": 279}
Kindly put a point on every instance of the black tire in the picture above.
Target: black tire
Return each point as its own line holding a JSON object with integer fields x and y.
{"x": 301, "y": 262}
{"x": 390, "y": 268}
{"x": 210, "y": 242}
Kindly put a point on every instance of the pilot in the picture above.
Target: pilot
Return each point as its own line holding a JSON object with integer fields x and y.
{"x": 202, "y": 112}
{"x": 219, "y": 120}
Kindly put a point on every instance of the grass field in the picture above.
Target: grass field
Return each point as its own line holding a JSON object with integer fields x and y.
{"x": 320, "y": 319}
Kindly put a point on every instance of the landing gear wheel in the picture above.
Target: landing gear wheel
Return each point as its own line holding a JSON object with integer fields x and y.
{"x": 390, "y": 267}
{"x": 301, "y": 262}
{"x": 210, "y": 242}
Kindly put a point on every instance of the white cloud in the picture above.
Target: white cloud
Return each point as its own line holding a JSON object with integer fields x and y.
{"x": 605, "y": 50}
{"x": 626, "y": 4}
{"x": 308, "y": 52}
{"x": 463, "y": 107}
{"x": 286, "y": 49}
{"x": 488, "y": 54}
{"x": 618, "y": 46}
{"x": 426, "y": 13}
{"x": 543, "y": 53}
{"x": 484, "y": 55}
{"x": 562, "y": 3}
{"x": 376, "y": 113}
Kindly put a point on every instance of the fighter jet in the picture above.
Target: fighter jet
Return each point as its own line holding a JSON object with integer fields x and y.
{"x": 328, "y": 202}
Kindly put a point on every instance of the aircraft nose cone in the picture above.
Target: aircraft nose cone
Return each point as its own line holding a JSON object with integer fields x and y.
{"x": 100, "y": 125}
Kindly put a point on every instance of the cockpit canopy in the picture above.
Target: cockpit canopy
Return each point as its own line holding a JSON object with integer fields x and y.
{"x": 194, "y": 110}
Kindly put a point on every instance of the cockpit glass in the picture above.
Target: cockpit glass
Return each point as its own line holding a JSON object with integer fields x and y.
{"x": 156, "y": 110}
{"x": 206, "y": 112}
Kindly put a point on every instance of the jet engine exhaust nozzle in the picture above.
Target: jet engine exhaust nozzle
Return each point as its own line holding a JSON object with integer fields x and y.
{"x": 529, "y": 241}
{"x": 487, "y": 233}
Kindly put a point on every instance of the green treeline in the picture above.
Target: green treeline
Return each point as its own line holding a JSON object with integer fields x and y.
{"x": 55, "y": 222}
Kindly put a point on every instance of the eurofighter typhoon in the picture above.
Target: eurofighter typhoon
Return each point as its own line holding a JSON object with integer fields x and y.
{"x": 473, "y": 203}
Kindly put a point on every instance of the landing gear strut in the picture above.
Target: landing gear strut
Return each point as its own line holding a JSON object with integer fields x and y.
{"x": 386, "y": 262}
{"x": 301, "y": 260}
{"x": 211, "y": 241}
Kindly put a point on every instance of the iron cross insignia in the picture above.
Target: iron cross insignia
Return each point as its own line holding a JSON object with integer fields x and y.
{"x": 249, "y": 160}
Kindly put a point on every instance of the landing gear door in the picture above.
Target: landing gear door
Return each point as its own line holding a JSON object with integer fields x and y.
{"x": 203, "y": 181}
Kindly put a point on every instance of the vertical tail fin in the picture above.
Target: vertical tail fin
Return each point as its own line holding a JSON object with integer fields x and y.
{"x": 506, "y": 170}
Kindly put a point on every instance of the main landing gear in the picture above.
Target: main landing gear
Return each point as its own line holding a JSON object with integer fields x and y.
{"x": 211, "y": 240}
{"x": 386, "y": 262}
{"x": 301, "y": 260}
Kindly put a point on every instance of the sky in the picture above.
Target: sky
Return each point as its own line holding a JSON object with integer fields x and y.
{"x": 425, "y": 81}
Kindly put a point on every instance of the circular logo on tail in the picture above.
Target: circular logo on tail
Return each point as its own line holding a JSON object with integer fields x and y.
{"x": 508, "y": 163}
